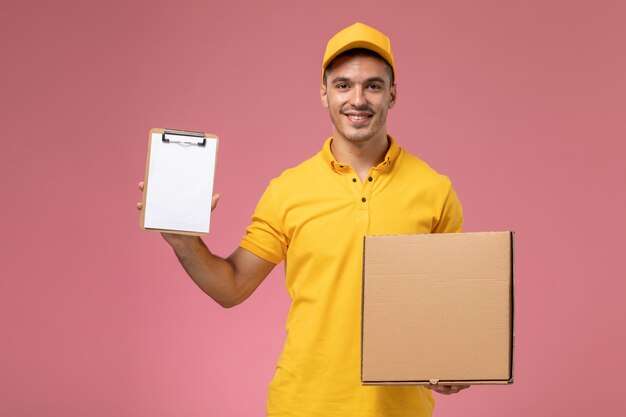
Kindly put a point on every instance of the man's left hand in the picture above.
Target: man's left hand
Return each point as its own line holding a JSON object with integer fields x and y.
{"x": 447, "y": 389}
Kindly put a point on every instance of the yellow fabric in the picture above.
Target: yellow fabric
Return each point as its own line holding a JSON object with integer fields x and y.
{"x": 315, "y": 217}
{"x": 355, "y": 36}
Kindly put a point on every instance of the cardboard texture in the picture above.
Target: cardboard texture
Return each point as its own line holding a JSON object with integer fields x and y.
{"x": 438, "y": 308}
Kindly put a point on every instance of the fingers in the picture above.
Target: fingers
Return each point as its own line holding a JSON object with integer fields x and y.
{"x": 140, "y": 184}
{"x": 441, "y": 389}
{"x": 216, "y": 198}
{"x": 447, "y": 389}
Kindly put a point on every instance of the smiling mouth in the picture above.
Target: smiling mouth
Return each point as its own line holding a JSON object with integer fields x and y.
{"x": 358, "y": 118}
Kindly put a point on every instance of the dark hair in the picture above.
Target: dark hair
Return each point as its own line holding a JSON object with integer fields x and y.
{"x": 360, "y": 52}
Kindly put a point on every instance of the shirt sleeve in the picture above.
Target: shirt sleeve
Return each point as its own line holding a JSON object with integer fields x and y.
{"x": 451, "y": 218}
{"x": 265, "y": 237}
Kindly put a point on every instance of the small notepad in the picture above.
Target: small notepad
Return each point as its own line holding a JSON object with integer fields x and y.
{"x": 179, "y": 181}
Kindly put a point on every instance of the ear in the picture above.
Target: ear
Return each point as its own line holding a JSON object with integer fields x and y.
{"x": 394, "y": 96}
{"x": 323, "y": 95}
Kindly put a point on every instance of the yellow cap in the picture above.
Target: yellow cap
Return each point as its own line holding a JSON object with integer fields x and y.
{"x": 358, "y": 35}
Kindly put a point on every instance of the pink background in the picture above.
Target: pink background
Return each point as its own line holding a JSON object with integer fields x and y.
{"x": 521, "y": 103}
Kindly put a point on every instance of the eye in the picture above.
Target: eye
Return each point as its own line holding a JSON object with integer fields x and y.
{"x": 374, "y": 87}
{"x": 341, "y": 86}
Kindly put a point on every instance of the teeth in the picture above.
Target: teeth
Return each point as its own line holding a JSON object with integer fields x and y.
{"x": 354, "y": 117}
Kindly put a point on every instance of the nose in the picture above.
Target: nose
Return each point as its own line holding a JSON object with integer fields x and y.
{"x": 358, "y": 97}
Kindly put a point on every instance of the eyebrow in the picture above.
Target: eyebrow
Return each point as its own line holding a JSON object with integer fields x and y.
{"x": 369, "y": 80}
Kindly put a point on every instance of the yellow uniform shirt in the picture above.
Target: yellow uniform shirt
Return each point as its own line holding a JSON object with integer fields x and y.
{"x": 314, "y": 217}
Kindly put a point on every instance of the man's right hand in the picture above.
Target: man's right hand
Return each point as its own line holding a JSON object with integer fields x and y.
{"x": 229, "y": 281}
{"x": 216, "y": 197}
{"x": 174, "y": 239}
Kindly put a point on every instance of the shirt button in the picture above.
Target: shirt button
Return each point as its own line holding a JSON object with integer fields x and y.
{"x": 370, "y": 179}
{"x": 364, "y": 199}
{"x": 353, "y": 179}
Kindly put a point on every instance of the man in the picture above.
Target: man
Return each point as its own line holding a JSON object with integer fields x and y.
{"x": 314, "y": 217}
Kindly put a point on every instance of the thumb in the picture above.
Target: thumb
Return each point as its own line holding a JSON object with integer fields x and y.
{"x": 216, "y": 198}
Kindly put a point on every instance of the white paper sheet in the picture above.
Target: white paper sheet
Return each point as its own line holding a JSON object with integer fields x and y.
{"x": 180, "y": 185}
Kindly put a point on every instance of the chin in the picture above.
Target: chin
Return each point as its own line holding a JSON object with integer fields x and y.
{"x": 360, "y": 136}
{"x": 357, "y": 139}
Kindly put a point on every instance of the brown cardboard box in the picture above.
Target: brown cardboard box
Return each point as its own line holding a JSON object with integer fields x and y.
{"x": 438, "y": 308}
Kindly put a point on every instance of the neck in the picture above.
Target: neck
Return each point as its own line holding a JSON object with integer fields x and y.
{"x": 361, "y": 156}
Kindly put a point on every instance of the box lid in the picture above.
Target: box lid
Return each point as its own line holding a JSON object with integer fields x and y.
{"x": 437, "y": 308}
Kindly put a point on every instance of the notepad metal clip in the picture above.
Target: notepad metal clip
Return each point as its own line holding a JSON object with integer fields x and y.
{"x": 183, "y": 137}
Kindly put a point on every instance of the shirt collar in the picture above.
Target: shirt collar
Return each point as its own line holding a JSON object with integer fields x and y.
{"x": 390, "y": 157}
